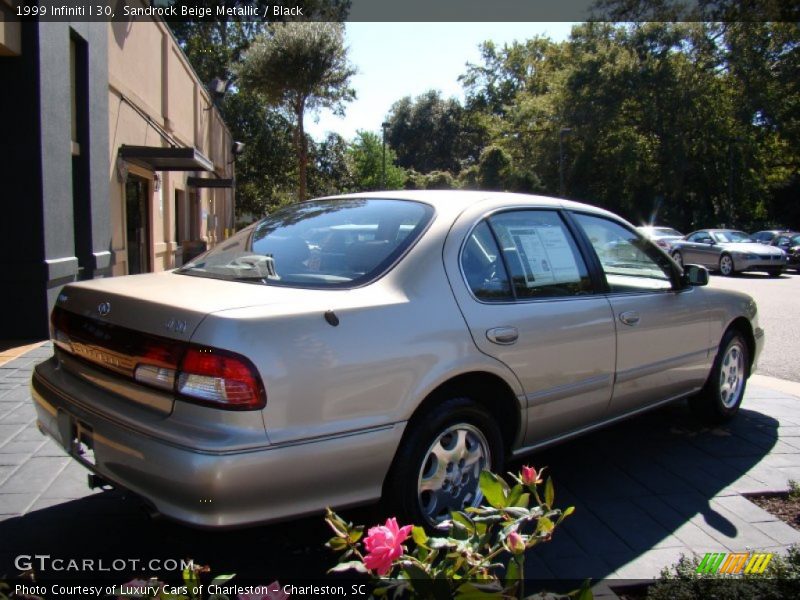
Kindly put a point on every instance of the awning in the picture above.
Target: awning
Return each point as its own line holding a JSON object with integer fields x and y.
{"x": 202, "y": 182}
{"x": 166, "y": 159}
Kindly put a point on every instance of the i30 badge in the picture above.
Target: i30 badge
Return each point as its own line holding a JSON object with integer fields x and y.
{"x": 104, "y": 309}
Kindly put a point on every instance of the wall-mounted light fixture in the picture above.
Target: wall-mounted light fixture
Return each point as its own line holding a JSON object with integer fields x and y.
{"x": 156, "y": 182}
{"x": 217, "y": 89}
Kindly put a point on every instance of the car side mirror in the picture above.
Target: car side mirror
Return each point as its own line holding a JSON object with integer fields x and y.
{"x": 695, "y": 275}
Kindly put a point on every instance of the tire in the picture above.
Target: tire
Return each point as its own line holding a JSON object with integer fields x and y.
{"x": 726, "y": 266}
{"x": 413, "y": 488}
{"x": 775, "y": 272}
{"x": 721, "y": 396}
{"x": 678, "y": 258}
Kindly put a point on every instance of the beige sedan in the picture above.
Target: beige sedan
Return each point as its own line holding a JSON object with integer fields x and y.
{"x": 381, "y": 345}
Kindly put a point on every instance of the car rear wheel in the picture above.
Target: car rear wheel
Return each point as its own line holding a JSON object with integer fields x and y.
{"x": 438, "y": 466}
{"x": 678, "y": 258}
{"x": 775, "y": 272}
{"x": 720, "y": 398}
{"x": 726, "y": 266}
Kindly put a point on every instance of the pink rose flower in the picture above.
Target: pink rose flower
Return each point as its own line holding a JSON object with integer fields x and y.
{"x": 515, "y": 543}
{"x": 384, "y": 543}
{"x": 530, "y": 476}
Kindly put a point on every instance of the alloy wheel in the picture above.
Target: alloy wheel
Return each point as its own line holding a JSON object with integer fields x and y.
{"x": 450, "y": 473}
{"x": 731, "y": 375}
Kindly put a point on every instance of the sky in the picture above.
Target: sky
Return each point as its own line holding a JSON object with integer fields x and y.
{"x": 394, "y": 60}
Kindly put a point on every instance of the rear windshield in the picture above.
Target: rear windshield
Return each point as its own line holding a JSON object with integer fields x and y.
{"x": 321, "y": 243}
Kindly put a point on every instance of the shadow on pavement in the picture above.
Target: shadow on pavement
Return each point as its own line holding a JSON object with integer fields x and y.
{"x": 638, "y": 487}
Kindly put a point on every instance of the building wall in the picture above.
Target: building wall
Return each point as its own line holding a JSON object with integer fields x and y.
{"x": 54, "y": 170}
{"x": 73, "y": 94}
{"x": 155, "y": 98}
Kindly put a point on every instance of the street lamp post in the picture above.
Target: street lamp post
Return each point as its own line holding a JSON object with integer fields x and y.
{"x": 562, "y": 132}
{"x": 384, "y": 125}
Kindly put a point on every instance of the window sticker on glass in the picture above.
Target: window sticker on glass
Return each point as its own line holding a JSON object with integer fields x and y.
{"x": 545, "y": 255}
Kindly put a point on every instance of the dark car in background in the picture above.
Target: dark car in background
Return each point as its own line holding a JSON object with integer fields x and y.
{"x": 729, "y": 252}
{"x": 774, "y": 237}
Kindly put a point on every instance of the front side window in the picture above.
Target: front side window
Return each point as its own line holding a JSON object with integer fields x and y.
{"x": 630, "y": 262}
{"x": 732, "y": 237}
{"x": 323, "y": 243}
{"x": 699, "y": 237}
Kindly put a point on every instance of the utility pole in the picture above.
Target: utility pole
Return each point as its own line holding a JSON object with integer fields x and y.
{"x": 384, "y": 125}
{"x": 561, "y": 133}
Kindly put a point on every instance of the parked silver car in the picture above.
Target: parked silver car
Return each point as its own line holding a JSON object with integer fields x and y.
{"x": 385, "y": 344}
{"x": 729, "y": 252}
{"x": 663, "y": 237}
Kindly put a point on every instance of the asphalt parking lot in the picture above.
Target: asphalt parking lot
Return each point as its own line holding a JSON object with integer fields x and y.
{"x": 778, "y": 302}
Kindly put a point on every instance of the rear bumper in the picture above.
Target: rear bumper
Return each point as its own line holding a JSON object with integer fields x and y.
{"x": 221, "y": 488}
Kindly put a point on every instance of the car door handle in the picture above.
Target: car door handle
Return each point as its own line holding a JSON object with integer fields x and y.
{"x": 504, "y": 336}
{"x": 630, "y": 317}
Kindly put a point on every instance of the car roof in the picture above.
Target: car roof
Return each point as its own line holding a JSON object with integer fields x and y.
{"x": 456, "y": 201}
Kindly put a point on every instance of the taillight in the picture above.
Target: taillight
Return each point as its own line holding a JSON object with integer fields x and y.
{"x": 198, "y": 374}
{"x": 221, "y": 379}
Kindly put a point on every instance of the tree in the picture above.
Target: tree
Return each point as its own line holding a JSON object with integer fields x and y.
{"x": 299, "y": 67}
{"x": 431, "y": 133}
{"x": 365, "y": 160}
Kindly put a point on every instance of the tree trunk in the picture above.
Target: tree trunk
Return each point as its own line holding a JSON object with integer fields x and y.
{"x": 302, "y": 150}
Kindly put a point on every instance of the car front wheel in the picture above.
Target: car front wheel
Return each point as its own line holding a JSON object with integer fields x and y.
{"x": 720, "y": 398}
{"x": 437, "y": 468}
{"x": 726, "y": 266}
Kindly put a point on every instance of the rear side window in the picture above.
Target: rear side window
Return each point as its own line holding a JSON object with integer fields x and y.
{"x": 525, "y": 254}
{"x": 483, "y": 266}
{"x": 540, "y": 254}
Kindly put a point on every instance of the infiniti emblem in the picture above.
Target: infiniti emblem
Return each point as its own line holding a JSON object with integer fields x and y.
{"x": 104, "y": 309}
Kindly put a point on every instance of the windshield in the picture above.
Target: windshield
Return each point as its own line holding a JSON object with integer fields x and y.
{"x": 730, "y": 237}
{"x": 321, "y": 243}
{"x": 796, "y": 240}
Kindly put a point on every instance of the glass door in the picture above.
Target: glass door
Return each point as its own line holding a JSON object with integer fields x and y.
{"x": 137, "y": 208}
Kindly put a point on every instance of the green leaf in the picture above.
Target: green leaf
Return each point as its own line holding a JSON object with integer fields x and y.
{"x": 337, "y": 544}
{"x": 569, "y": 511}
{"x": 337, "y": 525}
{"x": 437, "y": 543}
{"x": 472, "y": 591}
{"x": 584, "y": 593}
{"x": 355, "y": 534}
{"x": 353, "y": 565}
{"x": 419, "y": 536}
{"x": 463, "y": 519}
{"x": 514, "y": 495}
{"x": 420, "y": 579}
{"x": 549, "y": 492}
{"x": 523, "y": 501}
{"x": 494, "y": 489}
{"x": 220, "y": 579}
{"x": 544, "y": 526}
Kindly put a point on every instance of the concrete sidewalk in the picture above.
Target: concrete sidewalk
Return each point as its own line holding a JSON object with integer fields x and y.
{"x": 645, "y": 492}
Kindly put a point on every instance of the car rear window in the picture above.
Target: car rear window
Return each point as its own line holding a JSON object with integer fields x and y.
{"x": 321, "y": 243}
